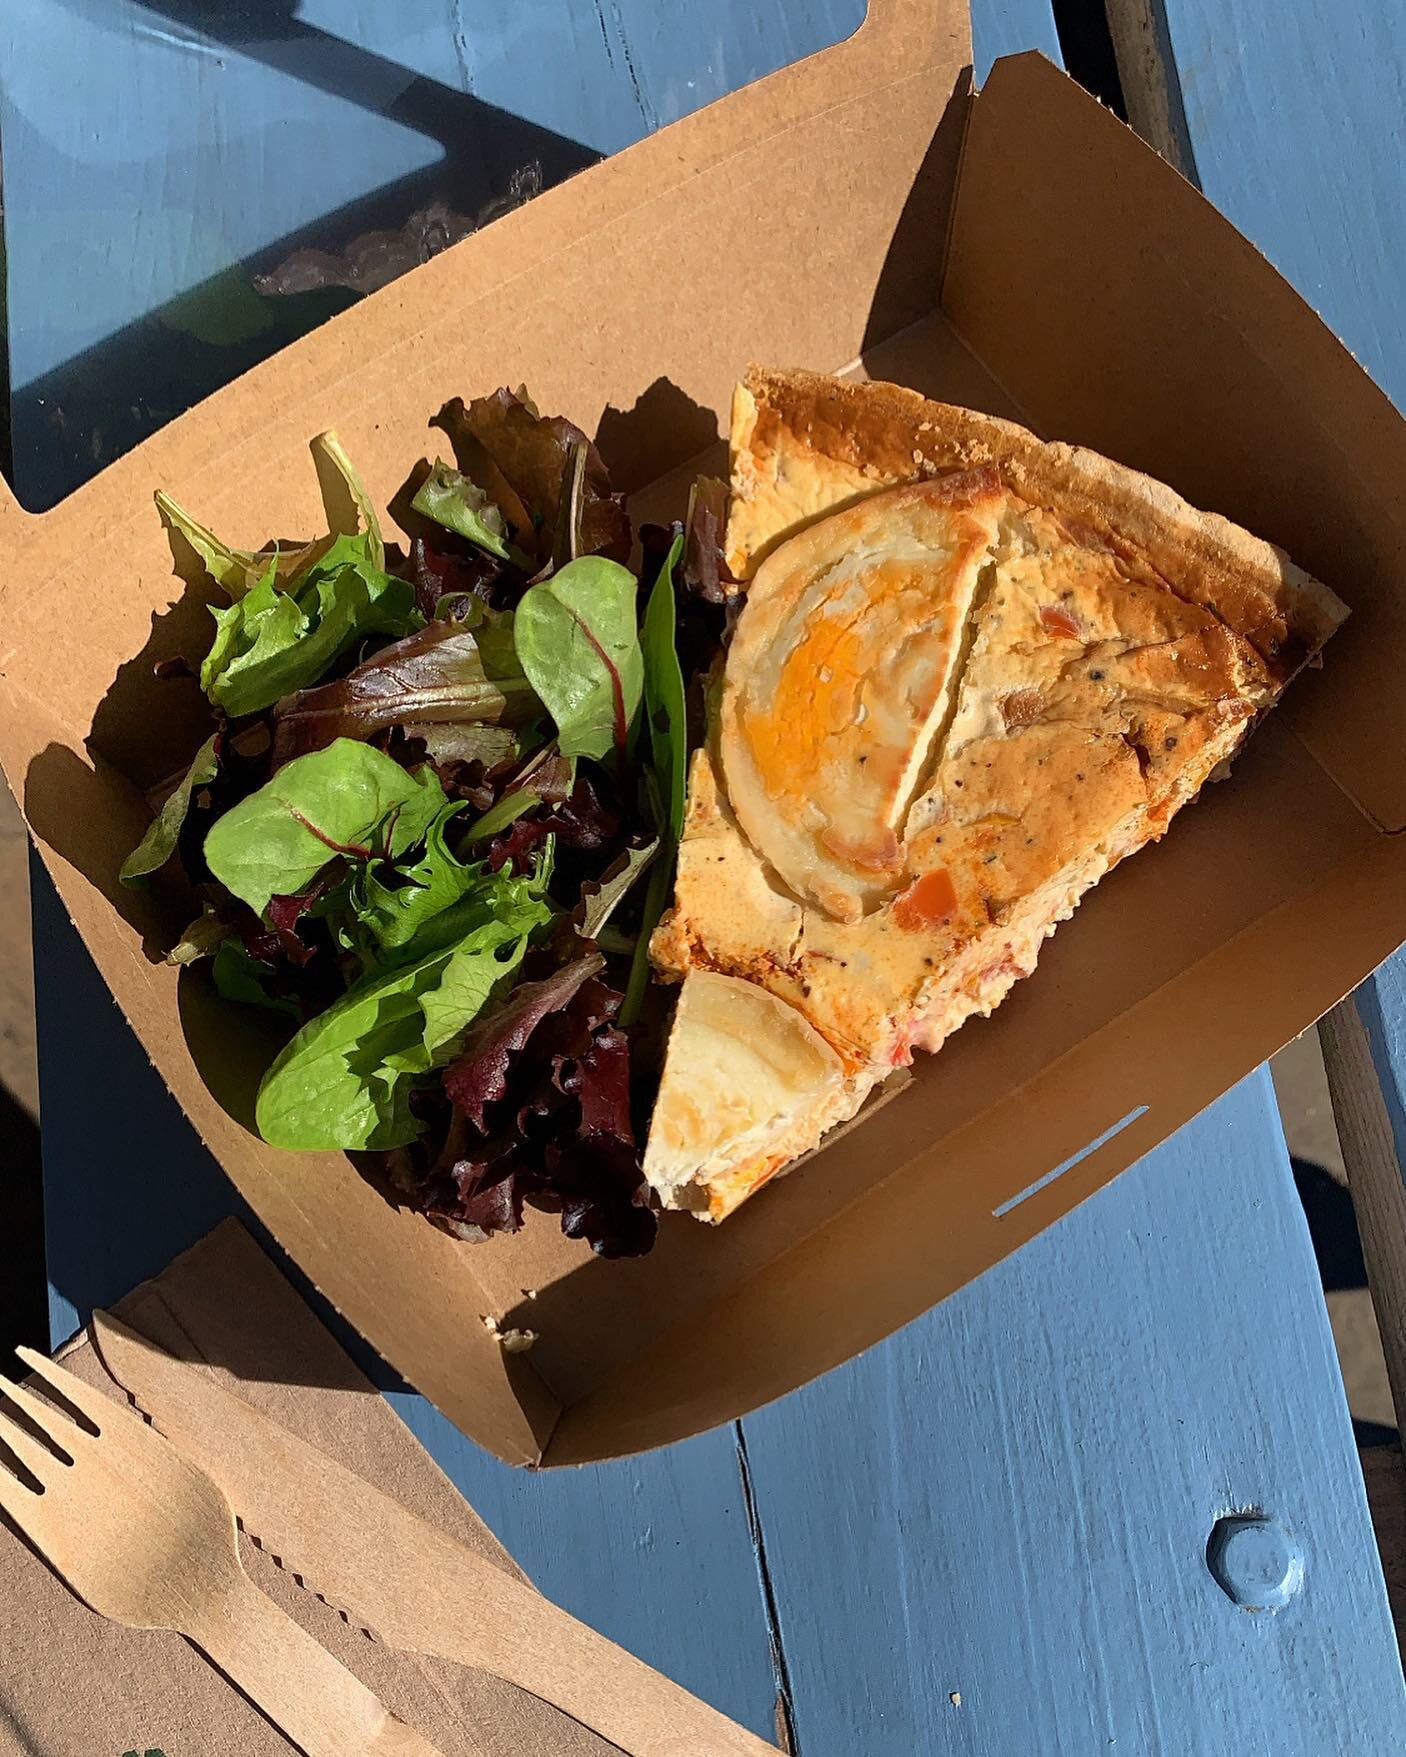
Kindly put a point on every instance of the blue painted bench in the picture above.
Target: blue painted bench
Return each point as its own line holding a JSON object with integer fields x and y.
{"x": 989, "y": 1535}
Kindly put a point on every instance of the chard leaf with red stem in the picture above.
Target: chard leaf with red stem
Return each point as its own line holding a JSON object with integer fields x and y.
{"x": 349, "y": 799}
{"x": 578, "y": 644}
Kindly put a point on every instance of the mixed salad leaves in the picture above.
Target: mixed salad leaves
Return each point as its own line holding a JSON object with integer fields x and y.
{"x": 435, "y": 822}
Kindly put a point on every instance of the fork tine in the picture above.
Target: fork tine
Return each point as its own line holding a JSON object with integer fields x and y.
{"x": 18, "y": 1501}
{"x": 37, "y": 1460}
{"x": 51, "y": 1422}
{"x": 63, "y": 1383}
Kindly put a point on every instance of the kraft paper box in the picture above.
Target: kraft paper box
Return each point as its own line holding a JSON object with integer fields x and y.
{"x": 1015, "y": 249}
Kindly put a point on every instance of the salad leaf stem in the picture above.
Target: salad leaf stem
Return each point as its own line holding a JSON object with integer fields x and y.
{"x": 668, "y": 735}
{"x": 497, "y": 818}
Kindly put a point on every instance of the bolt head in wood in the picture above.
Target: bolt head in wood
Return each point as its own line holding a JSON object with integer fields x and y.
{"x": 1255, "y": 1561}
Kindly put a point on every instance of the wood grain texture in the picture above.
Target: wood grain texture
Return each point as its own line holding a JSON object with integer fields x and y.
{"x": 987, "y": 1536}
{"x": 1064, "y": 1435}
{"x": 1148, "y": 77}
{"x": 1297, "y": 125}
{"x": 1371, "y": 1154}
{"x": 1385, "y": 1476}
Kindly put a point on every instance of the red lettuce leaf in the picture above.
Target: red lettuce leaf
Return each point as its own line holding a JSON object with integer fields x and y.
{"x": 445, "y": 673}
{"x": 522, "y": 460}
{"x": 479, "y": 1075}
{"x": 584, "y": 822}
{"x": 283, "y": 914}
{"x": 600, "y": 1080}
{"x": 703, "y": 571}
{"x": 448, "y": 569}
{"x": 539, "y": 1115}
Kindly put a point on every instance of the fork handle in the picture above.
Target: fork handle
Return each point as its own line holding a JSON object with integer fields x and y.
{"x": 308, "y": 1695}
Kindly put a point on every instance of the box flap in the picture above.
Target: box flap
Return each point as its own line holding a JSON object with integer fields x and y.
{"x": 1167, "y": 341}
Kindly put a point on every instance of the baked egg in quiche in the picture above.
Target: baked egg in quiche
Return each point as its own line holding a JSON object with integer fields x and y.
{"x": 972, "y": 672}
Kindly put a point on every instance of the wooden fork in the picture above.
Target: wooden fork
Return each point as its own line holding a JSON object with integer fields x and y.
{"x": 145, "y": 1538}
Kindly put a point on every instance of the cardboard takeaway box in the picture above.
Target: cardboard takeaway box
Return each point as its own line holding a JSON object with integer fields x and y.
{"x": 1017, "y": 250}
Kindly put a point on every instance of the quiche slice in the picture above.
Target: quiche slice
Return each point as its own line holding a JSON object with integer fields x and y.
{"x": 973, "y": 671}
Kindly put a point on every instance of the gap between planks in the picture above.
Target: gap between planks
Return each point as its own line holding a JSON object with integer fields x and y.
{"x": 1151, "y": 85}
{"x": 785, "y": 1715}
{"x": 1374, "y": 1177}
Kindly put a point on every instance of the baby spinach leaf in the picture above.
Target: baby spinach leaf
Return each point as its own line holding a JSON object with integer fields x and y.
{"x": 159, "y": 843}
{"x": 443, "y": 674}
{"x": 576, "y": 637}
{"x": 338, "y": 800}
{"x": 346, "y": 1078}
{"x": 277, "y": 640}
{"x": 458, "y": 504}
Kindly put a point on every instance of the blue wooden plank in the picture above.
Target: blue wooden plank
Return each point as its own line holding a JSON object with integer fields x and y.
{"x": 650, "y": 1551}
{"x": 1297, "y": 126}
{"x": 989, "y": 1535}
{"x": 1381, "y": 1006}
{"x": 134, "y": 137}
{"x": 1009, "y": 27}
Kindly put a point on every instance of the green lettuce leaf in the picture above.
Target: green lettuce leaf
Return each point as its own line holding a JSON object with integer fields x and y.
{"x": 601, "y": 897}
{"x": 349, "y": 508}
{"x": 346, "y": 1079}
{"x": 159, "y": 843}
{"x": 348, "y": 798}
{"x": 277, "y": 639}
{"x": 577, "y": 642}
{"x": 345, "y": 502}
{"x": 452, "y": 500}
{"x": 200, "y": 938}
{"x": 395, "y": 914}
